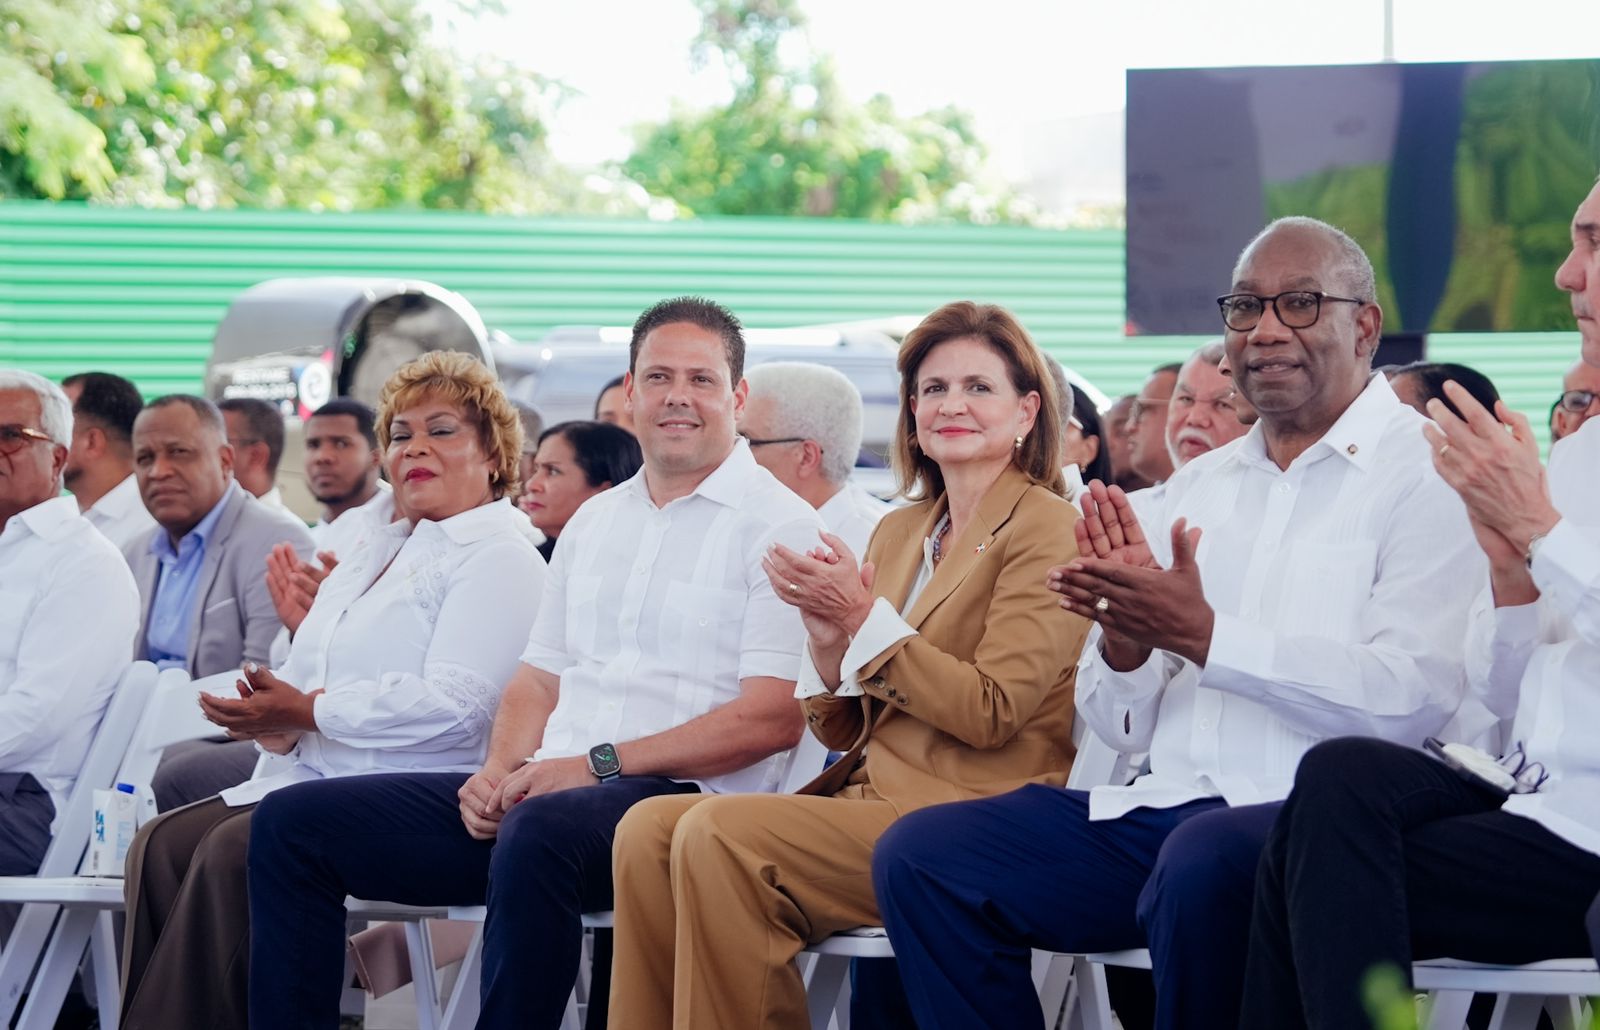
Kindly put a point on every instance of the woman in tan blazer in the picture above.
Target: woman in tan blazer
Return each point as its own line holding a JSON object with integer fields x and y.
{"x": 941, "y": 666}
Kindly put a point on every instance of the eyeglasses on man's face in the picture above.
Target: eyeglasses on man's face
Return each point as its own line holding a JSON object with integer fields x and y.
{"x": 754, "y": 442}
{"x": 1577, "y": 401}
{"x": 1222, "y": 403}
{"x": 1144, "y": 405}
{"x": 1296, "y": 309}
{"x": 14, "y": 437}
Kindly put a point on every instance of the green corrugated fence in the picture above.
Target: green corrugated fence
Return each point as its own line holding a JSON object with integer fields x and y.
{"x": 139, "y": 292}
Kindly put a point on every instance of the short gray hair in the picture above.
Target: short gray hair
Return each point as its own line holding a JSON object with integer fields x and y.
{"x": 813, "y": 402}
{"x": 1211, "y": 353}
{"x": 1065, "y": 398}
{"x": 55, "y": 411}
{"x": 1355, "y": 268}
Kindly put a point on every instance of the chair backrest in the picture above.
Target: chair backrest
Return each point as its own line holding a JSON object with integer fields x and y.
{"x": 805, "y": 762}
{"x": 173, "y": 716}
{"x": 118, "y": 726}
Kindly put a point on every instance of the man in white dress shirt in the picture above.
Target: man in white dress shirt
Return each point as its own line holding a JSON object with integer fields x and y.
{"x": 1384, "y": 854}
{"x": 803, "y": 424}
{"x": 68, "y": 611}
{"x": 1316, "y": 585}
{"x": 661, "y": 662}
{"x": 100, "y": 464}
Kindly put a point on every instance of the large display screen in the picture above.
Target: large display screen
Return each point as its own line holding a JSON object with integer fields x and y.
{"x": 1458, "y": 179}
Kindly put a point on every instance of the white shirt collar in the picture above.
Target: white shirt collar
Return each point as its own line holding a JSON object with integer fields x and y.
{"x": 119, "y": 500}
{"x": 726, "y": 485}
{"x": 49, "y": 520}
{"x": 474, "y": 524}
{"x": 1354, "y": 435}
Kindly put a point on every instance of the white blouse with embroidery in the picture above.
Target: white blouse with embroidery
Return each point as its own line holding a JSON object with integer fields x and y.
{"x": 412, "y": 661}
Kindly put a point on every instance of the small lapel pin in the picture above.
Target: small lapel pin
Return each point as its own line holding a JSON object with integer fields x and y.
{"x": 980, "y": 548}
{"x": 1352, "y": 448}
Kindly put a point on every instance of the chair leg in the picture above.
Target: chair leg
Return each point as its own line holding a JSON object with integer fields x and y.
{"x": 1447, "y": 1010}
{"x": 1516, "y": 1012}
{"x": 1052, "y": 976}
{"x": 841, "y": 1008}
{"x": 1094, "y": 1000}
{"x": 20, "y": 954}
{"x": 107, "y": 971}
{"x": 462, "y": 1012}
{"x": 827, "y": 978}
{"x": 56, "y": 970}
{"x": 423, "y": 983}
{"x": 1566, "y": 1013}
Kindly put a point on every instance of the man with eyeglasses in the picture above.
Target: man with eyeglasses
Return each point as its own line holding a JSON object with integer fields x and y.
{"x": 1313, "y": 583}
{"x": 1383, "y": 855}
{"x": 68, "y": 610}
{"x": 1579, "y": 400}
{"x": 803, "y": 424}
{"x": 1200, "y": 418}
{"x": 1147, "y": 425}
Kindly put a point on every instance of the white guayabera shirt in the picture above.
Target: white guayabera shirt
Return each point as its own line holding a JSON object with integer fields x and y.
{"x": 411, "y": 662}
{"x": 120, "y": 515}
{"x": 653, "y": 615}
{"x": 1539, "y": 664}
{"x": 69, "y": 610}
{"x": 1341, "y": 587}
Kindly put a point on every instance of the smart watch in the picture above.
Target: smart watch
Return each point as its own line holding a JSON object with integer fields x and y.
{"x": 604, "y": 763}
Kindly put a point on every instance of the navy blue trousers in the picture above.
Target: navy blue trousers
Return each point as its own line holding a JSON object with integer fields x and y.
{"x": 967, "y": 889}
{"x": 400, "y": 838}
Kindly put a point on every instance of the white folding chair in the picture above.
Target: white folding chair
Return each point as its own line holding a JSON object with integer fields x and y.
{"x": 158, "y": 712}
{"x": 827, "y": 986}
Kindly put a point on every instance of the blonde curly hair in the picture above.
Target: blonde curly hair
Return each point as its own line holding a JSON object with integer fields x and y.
{"x": 464, "y": 381}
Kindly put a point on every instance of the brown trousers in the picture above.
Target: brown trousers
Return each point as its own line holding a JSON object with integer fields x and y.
{"x": 186, "y": 950}
{"x": 717, "y": 894}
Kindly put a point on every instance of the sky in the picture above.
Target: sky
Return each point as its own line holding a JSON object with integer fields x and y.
{"x": 1026, "y": 69}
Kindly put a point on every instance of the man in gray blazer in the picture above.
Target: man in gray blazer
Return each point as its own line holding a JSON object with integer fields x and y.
{"x": 201, "y": 574}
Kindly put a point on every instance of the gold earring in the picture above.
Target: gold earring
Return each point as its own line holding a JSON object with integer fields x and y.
{"x": 1018, "y": 444}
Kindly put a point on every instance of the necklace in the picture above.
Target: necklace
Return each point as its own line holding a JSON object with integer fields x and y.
{"x": 938, "y": 538}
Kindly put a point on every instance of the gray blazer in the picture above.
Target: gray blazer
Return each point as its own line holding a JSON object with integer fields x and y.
{"x": 234, "y": 621}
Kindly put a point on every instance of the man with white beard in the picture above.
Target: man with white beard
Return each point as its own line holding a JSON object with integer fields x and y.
{"x": 1202, "y": 416}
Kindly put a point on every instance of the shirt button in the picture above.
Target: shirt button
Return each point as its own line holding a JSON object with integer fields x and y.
{"x": 1205, "y": 724}
{"x": 1284, "y": 488}
{"x": 704, "y": 622}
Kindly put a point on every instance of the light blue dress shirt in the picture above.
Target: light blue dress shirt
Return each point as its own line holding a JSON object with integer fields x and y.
{"x": 172, "y": 612}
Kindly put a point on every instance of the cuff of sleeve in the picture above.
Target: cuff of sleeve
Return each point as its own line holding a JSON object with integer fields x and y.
{"x": 883, "y": 629}
{"x": 319, "y": 712}
{"x": 1240, "y": 657}
{"x": 1565, "y": 565}
{"x": 810, "y": 682}
{"x": 1127, "y": 686}
{"x": 1516, "y": 624}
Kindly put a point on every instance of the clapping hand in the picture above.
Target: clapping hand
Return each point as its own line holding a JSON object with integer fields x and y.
{"x": 293, "y": 583}
{"x": 268, "y": 709}
{"x": 833, "y": 594}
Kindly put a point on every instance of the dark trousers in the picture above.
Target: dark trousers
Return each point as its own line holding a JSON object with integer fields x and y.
{"x": 967, "y": 889}
{"x": 400, "y": 838}
{"x": 185, "y": 946}
{"x": 1382, "y": 855}
{"x": 194, "y": 770}
{"x": 25, "y": 815}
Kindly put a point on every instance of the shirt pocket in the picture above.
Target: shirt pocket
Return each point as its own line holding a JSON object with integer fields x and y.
{"x": 706, "y": 624}
{"x": 1326, "y": 588}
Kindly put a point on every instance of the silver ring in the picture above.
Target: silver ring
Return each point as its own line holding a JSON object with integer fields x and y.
{"x": 794, "y": 588}
{"x": 1102, "y": 606}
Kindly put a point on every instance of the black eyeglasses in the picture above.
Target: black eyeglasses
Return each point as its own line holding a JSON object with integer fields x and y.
{"x": 13, "y": 437}
{"x": 753, "y": 442}
{"x": 1576, "y": 401}
{"x": 1296, "y": 309}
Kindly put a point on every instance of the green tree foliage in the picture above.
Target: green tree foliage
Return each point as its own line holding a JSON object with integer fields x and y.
{"x": 321, "y": 104}
{"x": 790, "y": 143}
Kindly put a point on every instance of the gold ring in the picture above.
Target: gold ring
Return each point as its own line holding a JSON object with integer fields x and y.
{"x": 1102, "y": 606}
{"x": 1443, "y": 448}
{"x": 794, "y": 588}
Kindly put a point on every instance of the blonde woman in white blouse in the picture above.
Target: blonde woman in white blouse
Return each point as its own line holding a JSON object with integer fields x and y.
{"x": 397, "y": 667}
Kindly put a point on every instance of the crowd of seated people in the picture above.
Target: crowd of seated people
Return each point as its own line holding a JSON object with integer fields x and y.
{"x": 1302, "y": 571}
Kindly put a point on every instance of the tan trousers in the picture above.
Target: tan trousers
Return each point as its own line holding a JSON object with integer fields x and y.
{"x": 186, "y": 949}
{"x": 717, "y": 894}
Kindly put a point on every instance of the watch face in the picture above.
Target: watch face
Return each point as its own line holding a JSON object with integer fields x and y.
{"x": 603, "y": 760}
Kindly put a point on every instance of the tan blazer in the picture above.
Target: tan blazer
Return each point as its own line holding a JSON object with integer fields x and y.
{"x": 979, "y": 702}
